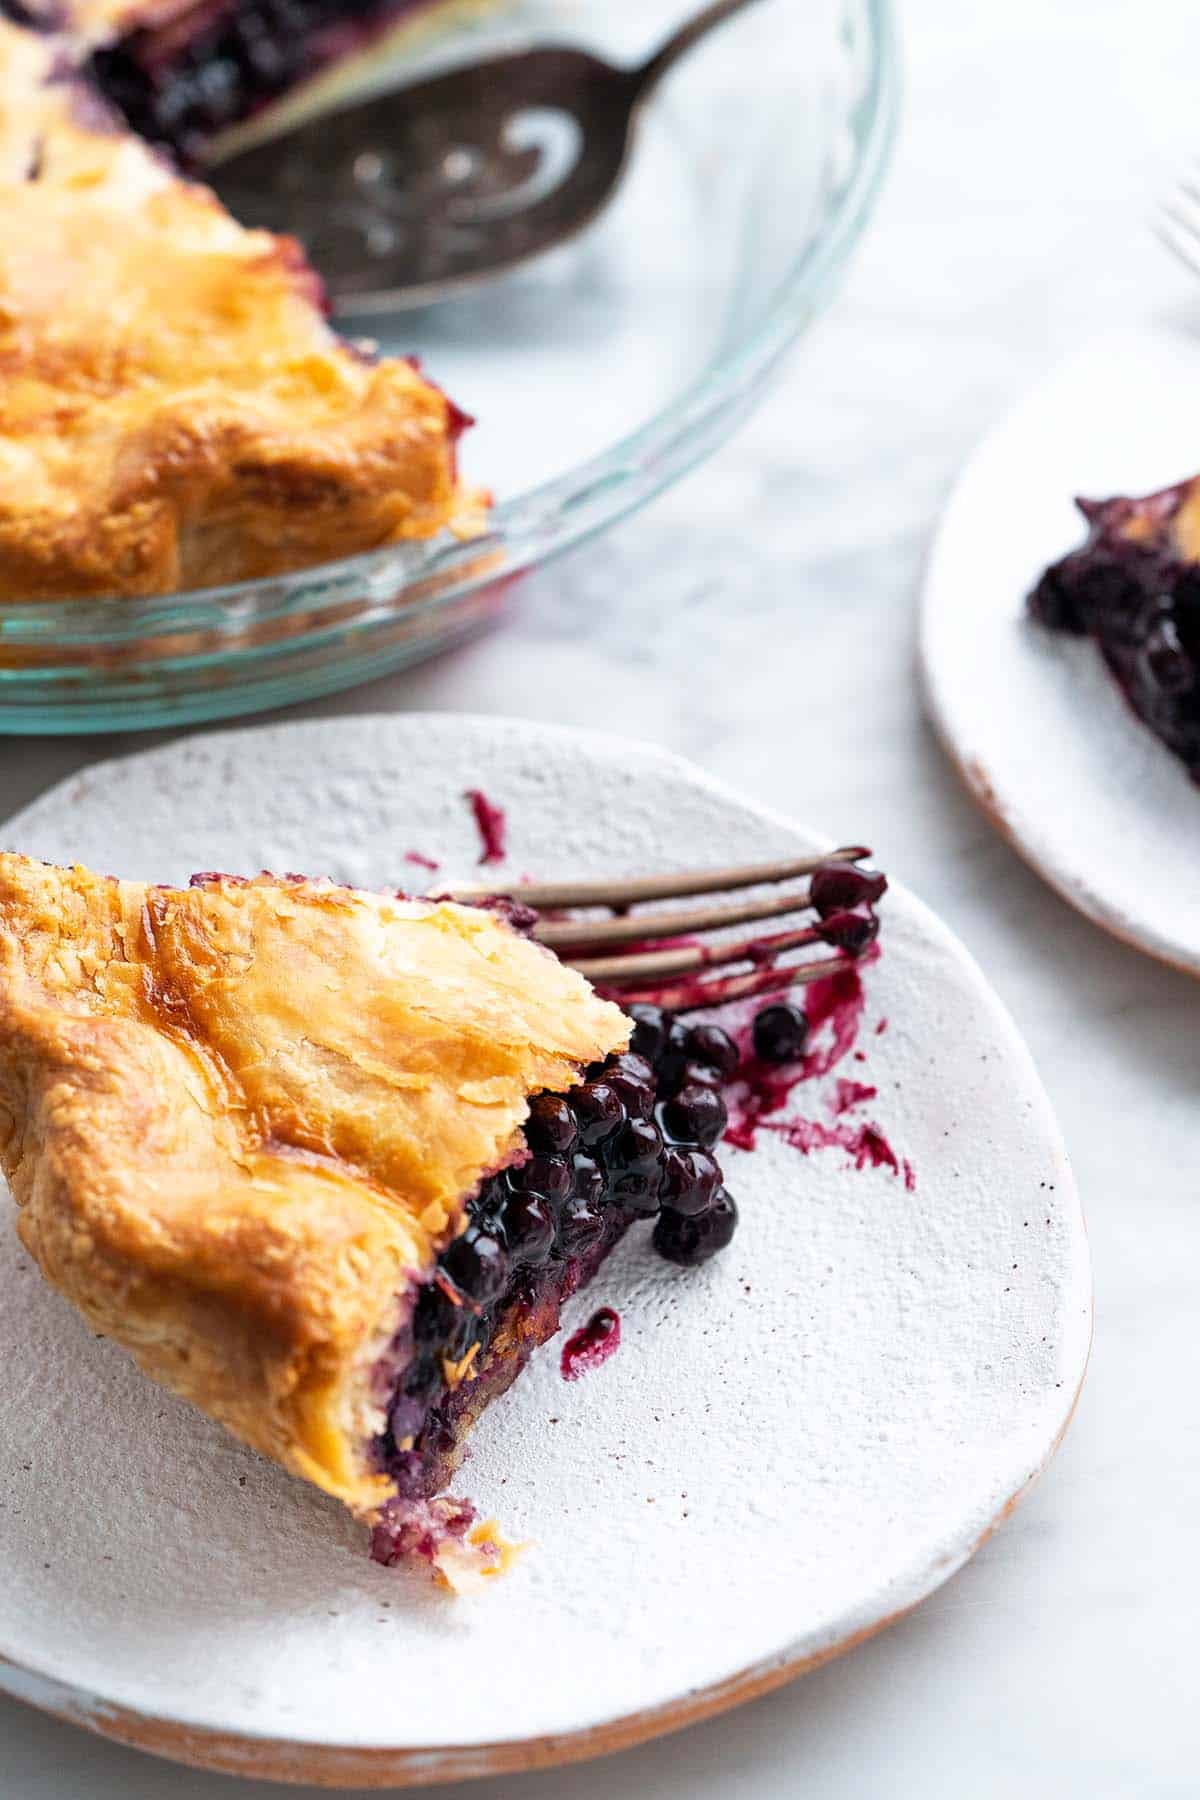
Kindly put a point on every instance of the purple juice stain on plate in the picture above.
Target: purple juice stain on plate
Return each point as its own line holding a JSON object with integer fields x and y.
{"x": 591, "y": 1345}
{"x": 492, "y": 825}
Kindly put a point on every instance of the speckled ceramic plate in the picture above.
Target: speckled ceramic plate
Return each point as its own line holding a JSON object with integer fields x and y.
{"x": 1038, "y": 729}
{"x": 791, "y": 1447}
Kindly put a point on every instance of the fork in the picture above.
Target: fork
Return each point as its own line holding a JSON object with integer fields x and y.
{"x": 1178, "y": 225}
{"x": 664, "y": 971}
{"x": 412, "y": 195}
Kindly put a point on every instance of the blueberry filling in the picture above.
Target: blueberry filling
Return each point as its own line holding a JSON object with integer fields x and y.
{"x": 692, "y": 1240}
{"x": 1131, "y": 589}
{"x": 849, "y": 931}
{"x": 633, "y": 1141}
{"x": 697, "y": 1113}
{"x": 836, "y": 887}
{"x": 780, "y": 1033}
{"x": 182, "y": 86}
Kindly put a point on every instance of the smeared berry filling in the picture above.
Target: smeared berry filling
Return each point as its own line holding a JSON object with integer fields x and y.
{"x": 591, "y": 1345}
{"x": 491, "y": 824}
{"x": 633, "y": 1141}
{"x": 181, "y": 83}
{"x": 1134, "y": 587}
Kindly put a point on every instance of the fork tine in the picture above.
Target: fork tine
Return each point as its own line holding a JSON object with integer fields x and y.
{"x": 648, "y": 887}
{"x": 694, "y": 996}
{"x": 649, "y": 964}
{"x": 622, "y": 930}
{"x": 1178, "y": 227}
{"x": 1183, "y": 213}
{"x": 1183, "y": 244}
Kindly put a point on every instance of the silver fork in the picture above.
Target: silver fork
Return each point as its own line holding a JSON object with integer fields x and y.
{"x": 1178, "y": 224}
{"x": 668, "y": 974}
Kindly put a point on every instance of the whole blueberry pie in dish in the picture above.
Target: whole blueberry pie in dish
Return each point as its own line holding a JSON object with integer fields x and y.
{"x": 327, "y": 1162}
{"x": 1134, "y": 586}
{"x": 175, "y": 412}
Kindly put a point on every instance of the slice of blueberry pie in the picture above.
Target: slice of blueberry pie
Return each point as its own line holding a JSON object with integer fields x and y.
{"x": 1134, "y": 586}
{"x": 327, "y": 1163}
{"x": 174, "y": 410}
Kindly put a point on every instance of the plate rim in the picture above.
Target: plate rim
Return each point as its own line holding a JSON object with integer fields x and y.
{"x": 333, "y": 1765}
{"x": 1082, "y": 899}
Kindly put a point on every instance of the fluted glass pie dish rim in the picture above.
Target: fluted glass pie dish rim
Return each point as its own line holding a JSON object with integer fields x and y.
{"x": 144, "y": 662}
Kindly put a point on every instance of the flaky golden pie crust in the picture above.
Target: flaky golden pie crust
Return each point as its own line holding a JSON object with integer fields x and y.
{"x": 240, "y": 1119}
{"x": 174, "y": 410}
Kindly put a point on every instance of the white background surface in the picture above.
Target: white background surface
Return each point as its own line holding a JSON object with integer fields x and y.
{"x": 760, "y": 619}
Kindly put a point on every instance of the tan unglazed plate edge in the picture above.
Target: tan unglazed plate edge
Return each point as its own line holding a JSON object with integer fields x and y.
{"x": 184, "y": 802}
{"x": 334, "y": 1766}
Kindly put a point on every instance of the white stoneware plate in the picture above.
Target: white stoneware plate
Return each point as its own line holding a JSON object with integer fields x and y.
{"x": 791, "y": 1447}
{"x": 1037, "y": 727}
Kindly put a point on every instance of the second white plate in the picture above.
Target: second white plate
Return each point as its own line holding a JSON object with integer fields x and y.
{"x": 1036, "y": 725}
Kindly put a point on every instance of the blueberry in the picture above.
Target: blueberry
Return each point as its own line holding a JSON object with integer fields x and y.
{"x": 548, "y": 1175}
{"x": 1187, "y": 596}
{"x": 529, "y": 1227}
{"x": 463, "y": 1332}
{"x": 780, "y": 1033}
{"x": 850, "y": 931}
{"x": 432, "y": 1316}
{"x": 407, "y": 1414}
{"x": 1165, "y": 665}
{"x": 637, "y": 1192}
{"x": 551, "y": 1125}
{"x": 712, "y": 1048}
{"x": 695, "y": 1116}
{"x": 687, "y": 1181}
{"x": 636, "y": 1148}
{"x": 588, "y": 1181}
{"x": 700, "y": 1073}
{"x": 477, "y": 1265}
{"x": 267, "y": 61}
{"x": 489, "y": 1203}
{"x": 598, "y": 1110}
{"x": 836, "y": 886}
{"x": 1053, "y": 603}
{"x": 422, "y": 1380}
{"x": 1106, "y": 595}
{"x": 632, "y": 1080}
{"x": 650, "y": 1027}
{"x": 580, "y": 1228}
{"x": 176, "y": 99}
{"x": 690, "y": 1242}
{"x": 212, "y": 100}
{"x": 673, "y": 1059}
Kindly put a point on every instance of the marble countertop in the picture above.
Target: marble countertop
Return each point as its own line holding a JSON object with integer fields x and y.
{"x": 760, "y": 619}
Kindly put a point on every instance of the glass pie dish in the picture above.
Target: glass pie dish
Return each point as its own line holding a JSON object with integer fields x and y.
{"x": 599, "y": 374}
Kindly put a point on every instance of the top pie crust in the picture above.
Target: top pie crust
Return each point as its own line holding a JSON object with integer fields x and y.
{"x": 174, "y": 410}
